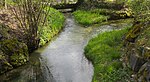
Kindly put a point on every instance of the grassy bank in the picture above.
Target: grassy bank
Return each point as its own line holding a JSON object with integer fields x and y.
{"x": 105, "y": 52}
{"x": 95, "y": 16}
{"x": 89, "y": 18}
{"x": 53, "y": 26}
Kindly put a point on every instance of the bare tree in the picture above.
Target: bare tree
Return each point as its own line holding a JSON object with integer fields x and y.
{"x": 31, "y": 15}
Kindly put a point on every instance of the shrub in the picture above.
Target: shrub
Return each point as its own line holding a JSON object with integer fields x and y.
{"x": 53, "y": 26}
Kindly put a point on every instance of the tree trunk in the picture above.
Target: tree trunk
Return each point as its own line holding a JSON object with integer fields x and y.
{"x": 33, "y": 39}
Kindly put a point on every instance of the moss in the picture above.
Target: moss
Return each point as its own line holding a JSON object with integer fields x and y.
{"x": 18, "y": 59}
{"x": 4, "y": 64}
{"x": 139, "y": 52}
{"x": 134, "y": 32}
{"x": 144, "y": 37}
{"x": 17, "y": 51}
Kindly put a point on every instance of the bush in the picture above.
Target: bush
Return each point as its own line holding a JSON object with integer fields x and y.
{"x": 52, "y": 27}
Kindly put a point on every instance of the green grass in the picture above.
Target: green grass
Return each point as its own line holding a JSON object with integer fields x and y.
{"x": 53, "y": 26}
{"x": 89, "y": 18}
{"x": 95, "y": 16}
{"x": 103, "y": 11}
{"x": 105, "y": 52}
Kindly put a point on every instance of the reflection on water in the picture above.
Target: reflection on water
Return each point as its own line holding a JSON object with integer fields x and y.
{"x": 34, "y": 71}
{"x": 62, "y": 60}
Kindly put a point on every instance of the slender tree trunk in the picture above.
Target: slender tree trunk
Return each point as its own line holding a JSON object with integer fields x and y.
{"x": 5, "y": 3}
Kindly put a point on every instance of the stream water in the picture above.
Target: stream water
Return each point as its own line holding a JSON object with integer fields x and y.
{"x": 62, "y": 60}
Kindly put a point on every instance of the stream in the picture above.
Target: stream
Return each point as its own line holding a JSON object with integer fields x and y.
{"x": 61, "y": 60}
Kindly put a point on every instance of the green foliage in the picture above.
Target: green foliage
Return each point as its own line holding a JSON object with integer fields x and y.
{"x": 53, "y": 26}
{"x": 10, "y": 2}
{"x": 105, "y": 51}
{"x": 138, "y": 6}
{"x": 31, "y": 14}
{"x": 7, "y": 2}
{"x": 89, "y": 18}
{"x": 97, "y": 15}
{"x": 103, "y": 11}
{"x": 114, "y": 14}
{"x": 17, "y": 51}
{"x": 141, "y": 9}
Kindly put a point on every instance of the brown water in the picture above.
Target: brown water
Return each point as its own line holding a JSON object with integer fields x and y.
{"x": 62, "y": 60}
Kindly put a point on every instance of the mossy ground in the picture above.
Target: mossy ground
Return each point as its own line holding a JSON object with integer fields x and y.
{"x": 12, "y": 54}
{"x": 105, "y": 52}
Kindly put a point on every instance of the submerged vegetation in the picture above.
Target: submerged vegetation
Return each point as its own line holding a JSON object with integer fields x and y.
{"x": 105, "y": 52}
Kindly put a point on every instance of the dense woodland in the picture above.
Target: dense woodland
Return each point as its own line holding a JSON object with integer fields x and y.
{"x": 120, "y": 55}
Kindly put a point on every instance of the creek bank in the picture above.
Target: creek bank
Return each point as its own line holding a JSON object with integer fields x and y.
{"x": 94, "y": 12}
{"x": 98, "y": 15}
{"x": 12, "y": 52}
{"x": 13, "y": 49}
{"x": 135, "y": 54}
{"x": 137, "y": 51}
{"x": 105, "y": 51}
